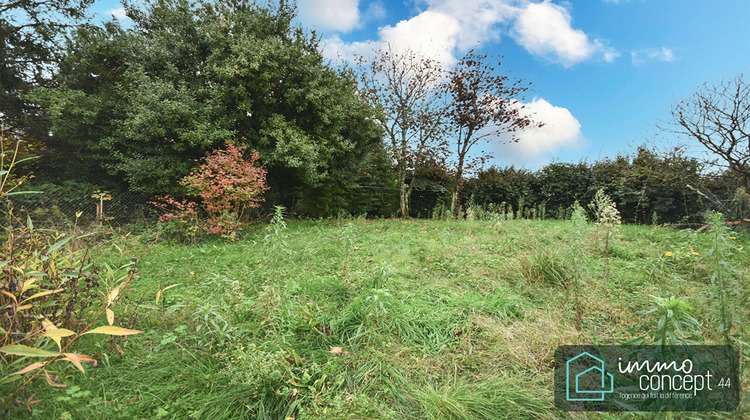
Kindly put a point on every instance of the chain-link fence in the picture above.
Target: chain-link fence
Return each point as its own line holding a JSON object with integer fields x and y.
{"x": 60, "y": 209}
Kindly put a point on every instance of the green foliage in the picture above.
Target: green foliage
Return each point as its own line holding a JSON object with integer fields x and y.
{"x": 669, "y": 322}
{"x": 562, "y": 184}
{"x": 424, "y": 321}
{"x": 577, "y": 243}
{"x": 53, "y": 295}
{"x": 356, "y": 187}
{"x": 642, "y": 183}
{"x": 607, "y": 221}
{"x": 30, "y": 34}
{"x": 281, "y": 384}
{"x": 724, "y": 274}
{"x": 276, "y": 240}
{"x": 544, "y": 266}
{"x": 180, "y": 220}
{"x": 140, "y": 104}
{"x": 458, "y": 400}
{"x": 507, "y": 185}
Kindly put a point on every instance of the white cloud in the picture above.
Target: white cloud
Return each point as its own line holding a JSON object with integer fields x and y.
{"x": 335, "y": 49}
{"x": 431, "y": 33}
{"x": 663, "y": 54}
{"x": 376, "y": 11}
{"x": 479, "y": 20}
{"x": 118, "y": 13}
{"x": 544, "y": 29}
{"x": 561, "y": 130}
{"x": 337, "y": 15}
{"x": 448, "y": 28}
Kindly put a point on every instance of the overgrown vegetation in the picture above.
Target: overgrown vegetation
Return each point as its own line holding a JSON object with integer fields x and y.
{"x": 51, "y": 294}
{"x": 394, "y": 319}
{"x": 454, "y": 316}
{"x": 224, "y": 187}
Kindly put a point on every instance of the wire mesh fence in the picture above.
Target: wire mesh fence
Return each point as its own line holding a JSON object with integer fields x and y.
{"x": 61, "y": 209}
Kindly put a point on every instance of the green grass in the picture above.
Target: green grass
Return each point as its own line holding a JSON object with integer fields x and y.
{"x": 432, "y": 322}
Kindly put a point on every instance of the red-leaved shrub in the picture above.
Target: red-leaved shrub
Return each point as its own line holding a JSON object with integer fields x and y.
{"x": 227, "y": 184}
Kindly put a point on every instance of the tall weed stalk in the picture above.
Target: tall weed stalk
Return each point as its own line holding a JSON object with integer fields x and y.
{"x": 578, "y": 229}
{"x": 721, "y": 253}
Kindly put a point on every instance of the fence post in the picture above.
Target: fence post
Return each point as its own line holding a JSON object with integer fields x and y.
{"x": 102, "y": 196}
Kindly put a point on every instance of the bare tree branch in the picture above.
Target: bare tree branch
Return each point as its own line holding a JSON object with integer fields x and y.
{"x": 718, "y": 117}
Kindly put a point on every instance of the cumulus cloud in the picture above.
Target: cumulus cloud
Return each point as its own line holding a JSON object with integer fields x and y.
{"x": 448, "y": 28}
{"x": 480, "y": 20}
{"x": 663, "y": 54}
{"x": 545, "y": 29}
{"x": 561, "y": 130}
{"x": 118, "y": 13}
{"x": 336, "y": 15}
{"x": 431, "y": 33}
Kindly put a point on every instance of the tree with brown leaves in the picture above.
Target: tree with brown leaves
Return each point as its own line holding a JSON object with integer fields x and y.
{"x": 403, "y": 87}
{"x": 483, "y": 106}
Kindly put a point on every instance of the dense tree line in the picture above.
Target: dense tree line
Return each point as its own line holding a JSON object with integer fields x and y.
{"x": 133, "y": 108}
{"x": 648, "y": 186}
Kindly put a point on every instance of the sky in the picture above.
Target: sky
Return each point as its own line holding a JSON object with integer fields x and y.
{"x": 604, "y": 73}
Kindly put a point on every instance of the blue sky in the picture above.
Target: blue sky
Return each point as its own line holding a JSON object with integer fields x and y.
{"x": 604, "y": 72}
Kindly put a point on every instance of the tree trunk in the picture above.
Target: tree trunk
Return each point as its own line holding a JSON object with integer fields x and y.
{"x": 409, "y": 191}
{"x": 455, "y": 206}
{"x": 403, "y": 202}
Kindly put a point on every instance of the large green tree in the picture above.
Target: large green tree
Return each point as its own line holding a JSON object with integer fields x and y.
{"x": 142, "y": 104}
{"x": 30, "y": 33}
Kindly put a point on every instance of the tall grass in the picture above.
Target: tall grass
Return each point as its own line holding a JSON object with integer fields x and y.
{"x": 391, "y": 319}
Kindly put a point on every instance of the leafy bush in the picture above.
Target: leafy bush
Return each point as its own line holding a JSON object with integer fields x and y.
{"x": 723, "y": 277}
{"x": 227, "y": 184}
{"x": 179, "y": 221}
{"x": 48, "y": 291}
{"x": 669, "y": 322}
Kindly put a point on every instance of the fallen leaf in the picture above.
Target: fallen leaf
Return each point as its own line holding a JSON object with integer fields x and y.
{"x": 53, "y": 380}
{"x": 336, "y": 350}
{"x": 293, "y": 363}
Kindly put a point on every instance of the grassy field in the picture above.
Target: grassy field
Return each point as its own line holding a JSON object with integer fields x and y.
{"x": 385, "y": 318}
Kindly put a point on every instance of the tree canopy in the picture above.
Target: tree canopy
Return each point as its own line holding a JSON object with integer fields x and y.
{"x": 30, "y": 33}
{"x": 142, "y": 104}
{"x": 402, "y": 86}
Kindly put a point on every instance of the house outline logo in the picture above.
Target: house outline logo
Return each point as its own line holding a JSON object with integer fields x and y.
{"x": 598, "y": 366}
